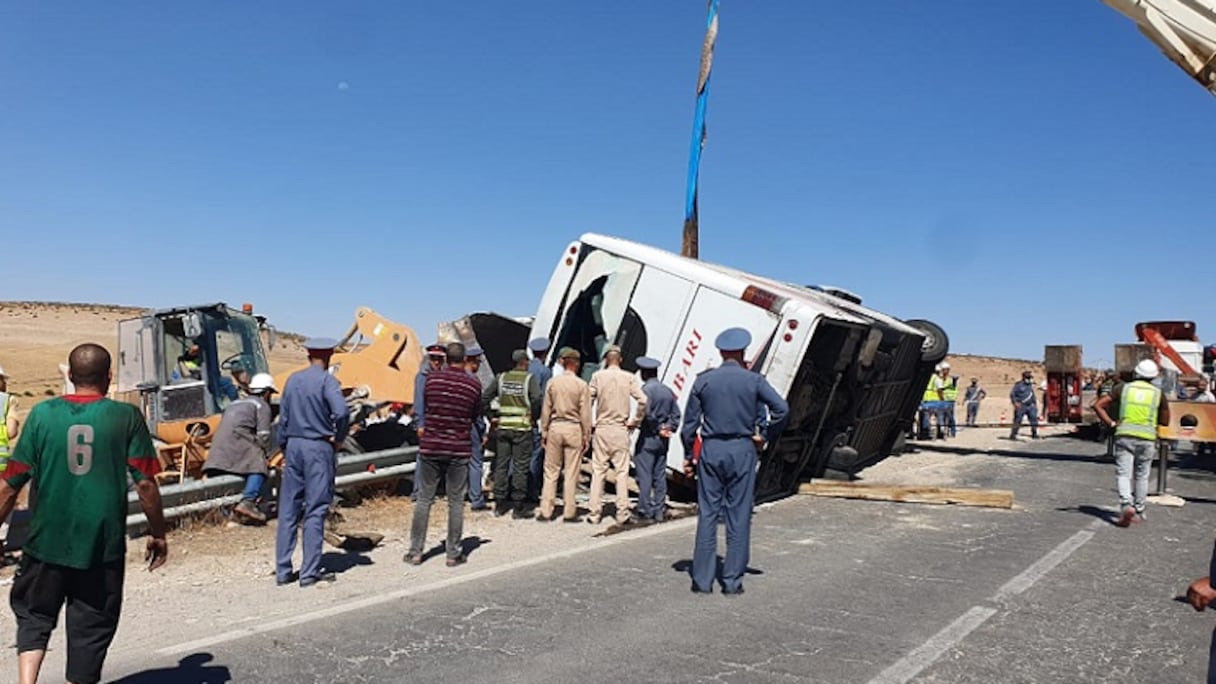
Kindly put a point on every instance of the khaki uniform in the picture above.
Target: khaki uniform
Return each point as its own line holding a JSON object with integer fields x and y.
{"x": 611, "y": 389}
{"x": 565, "y": 424}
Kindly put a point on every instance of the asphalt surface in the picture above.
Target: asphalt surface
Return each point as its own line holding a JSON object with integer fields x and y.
{"x": 841, "y": 591}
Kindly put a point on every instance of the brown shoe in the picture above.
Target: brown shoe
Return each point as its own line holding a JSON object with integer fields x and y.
{"x": 458, "y": 560}
{"x": 248, "y": 511}
{"x": 413, "y": 558}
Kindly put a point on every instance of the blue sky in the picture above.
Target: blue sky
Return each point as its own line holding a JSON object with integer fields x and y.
{"x": 1023, "y": 173}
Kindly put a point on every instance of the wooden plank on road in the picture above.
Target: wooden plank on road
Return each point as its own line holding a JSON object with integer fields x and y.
{"x": 988, "y": 498}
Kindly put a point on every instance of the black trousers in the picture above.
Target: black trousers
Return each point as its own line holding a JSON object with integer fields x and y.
{"x": 94, "y": 604}
{"x": 512, "y": 461}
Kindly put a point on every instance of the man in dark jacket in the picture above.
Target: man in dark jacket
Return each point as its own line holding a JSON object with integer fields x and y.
{"x": 242, "y": 445}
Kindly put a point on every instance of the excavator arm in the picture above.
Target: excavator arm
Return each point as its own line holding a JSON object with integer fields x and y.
{"x": 377, "y": 354}
{"x": 1185, "y": 30}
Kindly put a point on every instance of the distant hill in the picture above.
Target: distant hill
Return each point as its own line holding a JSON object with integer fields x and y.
{"x": 35, "y": 337}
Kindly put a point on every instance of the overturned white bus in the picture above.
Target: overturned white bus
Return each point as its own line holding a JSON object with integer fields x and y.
{"x": 853, "y": 376}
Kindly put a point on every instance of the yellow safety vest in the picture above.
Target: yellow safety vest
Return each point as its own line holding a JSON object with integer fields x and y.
{"x": 5, "y": 405}
{"x": 1138, "y": 407}
{"x": 514, "y": 405}
{"x": 931, "y": 390}
{"x": 950, "y": 392}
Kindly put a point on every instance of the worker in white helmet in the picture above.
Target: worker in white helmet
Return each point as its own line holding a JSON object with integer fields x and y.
{"x": 242, "y": 445}
{"x": 1141, "y": 408}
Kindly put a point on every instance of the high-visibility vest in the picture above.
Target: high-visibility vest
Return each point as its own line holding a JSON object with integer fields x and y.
{"x": 514, "y": 405}
{"x": 1138, "y": 408}
{"x": 950, "y": 392}
{"x": 5, "y": 405}
{"x": 931, "y": 390}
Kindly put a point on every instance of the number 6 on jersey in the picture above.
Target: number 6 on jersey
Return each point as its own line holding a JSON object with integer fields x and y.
{"x": 80, "y": 449}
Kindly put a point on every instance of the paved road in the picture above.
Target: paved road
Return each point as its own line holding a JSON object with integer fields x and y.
{"x": 842, "y": 591}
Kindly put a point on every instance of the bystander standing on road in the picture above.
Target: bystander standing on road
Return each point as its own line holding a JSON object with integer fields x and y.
{"x": 972, "y": 397}
{"x": 479, "y": 437}
{"x": 650, "y": 458}
{"x": 540, "y": 349}
{"x": 565, "y": 425}
{"x": 453, "y": 404}
{"x": 1142, "y": 407}
{"x": 1025, "y": 405}
{"x": 724, "y": 407}
{"x": 313, "y": 422}
{"x": 514, "y": 399}
{"x": 611, "y": 391}
{"x": 78, "y": 452}
{"x": 242, "y": 444}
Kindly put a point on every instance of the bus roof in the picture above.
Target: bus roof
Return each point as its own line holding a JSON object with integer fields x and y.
{"x": 733, "y": 281}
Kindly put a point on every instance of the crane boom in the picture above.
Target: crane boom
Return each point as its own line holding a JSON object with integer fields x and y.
{"x": 1185, "y": 30}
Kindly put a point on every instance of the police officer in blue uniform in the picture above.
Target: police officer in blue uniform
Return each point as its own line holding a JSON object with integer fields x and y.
{"x": 650, "y": 454}
{"x": 313, "y": 422}
{"x": 477, "y": 495}
{"x": 725, "y": 406}
{"x": 543, "y": 374}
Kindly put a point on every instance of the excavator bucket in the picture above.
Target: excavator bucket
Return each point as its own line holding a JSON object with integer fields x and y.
{"x": 376, "y": 354}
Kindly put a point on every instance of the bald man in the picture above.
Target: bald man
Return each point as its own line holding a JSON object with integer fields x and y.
{"x": 78, "y": 450}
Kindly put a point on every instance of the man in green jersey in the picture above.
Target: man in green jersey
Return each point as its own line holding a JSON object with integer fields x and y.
{"x": 78, "y": 450}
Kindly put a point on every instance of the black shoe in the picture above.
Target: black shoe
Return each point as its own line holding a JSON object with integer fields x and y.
{"x": 520, "y": 513}
{"x": 501, "y": 509}
{"x": 479, "y": 507}
{"x": 698, "y": 590}
{"x": 324, "y": 577}
{"x": 291, "y": 578}
{"x": 736, "y": 592}
{"x": 572, "y": 519}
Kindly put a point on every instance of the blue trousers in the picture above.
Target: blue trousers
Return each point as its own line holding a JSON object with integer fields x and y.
{"x": 726, "y": 486}
{"x": 253, "y": 486}
{"x": 477, "y": 497}
{"x": 1031, "y": 412}
{"x": 650, "y": 466}
{"x": 305, "y": 496}
{"x": 535, "y": 476}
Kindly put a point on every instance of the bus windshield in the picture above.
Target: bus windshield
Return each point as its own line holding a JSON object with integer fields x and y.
{"x": 596, "y": 305}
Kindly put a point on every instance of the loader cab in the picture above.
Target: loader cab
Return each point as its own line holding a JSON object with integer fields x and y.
{"x": 178, "y": 364}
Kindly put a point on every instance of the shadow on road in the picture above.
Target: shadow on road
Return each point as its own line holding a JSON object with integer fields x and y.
{"x": 341, "y": 562}
{"x": 467, "y": 546}
{"x": 192, "y": 669}
{"x": 1031, "y": 455}
{"x": 1102, "y": 514}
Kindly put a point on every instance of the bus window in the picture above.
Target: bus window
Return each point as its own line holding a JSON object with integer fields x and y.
{"x": 597, "y": 307}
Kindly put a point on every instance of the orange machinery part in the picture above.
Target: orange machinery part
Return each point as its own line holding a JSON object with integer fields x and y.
{"x": 1151, "y": 336}
{"x": 377, "y": 353}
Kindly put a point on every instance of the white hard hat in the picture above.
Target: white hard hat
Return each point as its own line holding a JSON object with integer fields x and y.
{"x": 262, "y": 382}
{"x": 1147, "y": 369}
{"x": 945, "y": 365}
{"x": 2, "y": 373}
{"x": 937, "y": 368}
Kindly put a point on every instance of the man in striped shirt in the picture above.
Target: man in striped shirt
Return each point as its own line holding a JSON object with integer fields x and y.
{"x": 453, "y": 403}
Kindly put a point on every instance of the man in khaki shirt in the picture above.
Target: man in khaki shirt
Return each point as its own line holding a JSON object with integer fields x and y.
{"x": 565, "y": 427}
{"x": 611, "y": 389}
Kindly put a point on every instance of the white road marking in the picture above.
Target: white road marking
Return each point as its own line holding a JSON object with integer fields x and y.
{"x": 927, "y": 653}
{"x": 378, "y": 599}
{"x": 1026, "y": 579}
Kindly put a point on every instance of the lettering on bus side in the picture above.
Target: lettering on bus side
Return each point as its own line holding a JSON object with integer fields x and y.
{"x": 691, "y": 347}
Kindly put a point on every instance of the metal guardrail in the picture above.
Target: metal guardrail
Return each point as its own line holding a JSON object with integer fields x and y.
{"x": 200, "y": 496}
